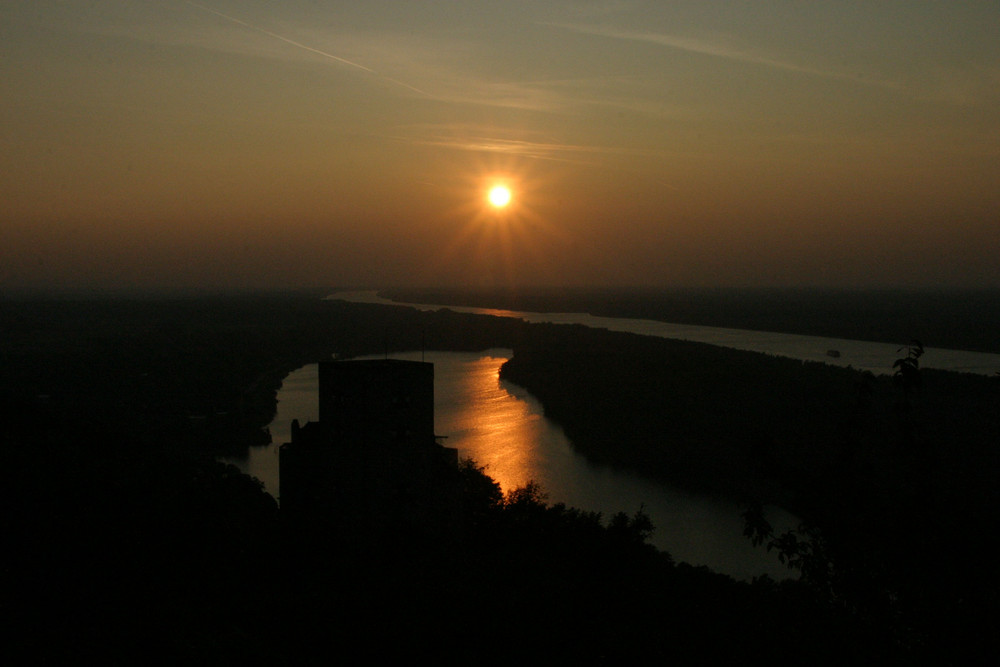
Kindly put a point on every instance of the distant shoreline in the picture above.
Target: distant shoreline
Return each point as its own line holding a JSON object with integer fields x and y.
{"x": 950, "y": 319}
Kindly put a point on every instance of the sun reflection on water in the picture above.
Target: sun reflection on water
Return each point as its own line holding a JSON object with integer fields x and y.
{"x": 484, "y": 422}
{"x": 502, "y": 427}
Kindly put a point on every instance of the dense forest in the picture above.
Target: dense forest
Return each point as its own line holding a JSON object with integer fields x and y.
{"x": 894, "y": 476}
{"x": 127, "y": 539}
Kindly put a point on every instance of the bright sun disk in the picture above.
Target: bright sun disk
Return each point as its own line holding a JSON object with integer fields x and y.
{"x": 499, "y": 196}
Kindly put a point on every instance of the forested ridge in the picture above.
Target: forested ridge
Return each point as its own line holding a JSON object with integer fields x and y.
{"x": 894, "y": 476}
{"x": 130, "y": 540}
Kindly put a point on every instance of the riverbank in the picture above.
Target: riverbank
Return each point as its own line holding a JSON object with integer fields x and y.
{"x": 118, "y": 505}
{"x": 501, "y": 426}
{"x": 893, "y": 477}
{"x": 737, "y": 423}
{"x": 948, "y": 319}
{"x": 127, "y": 537}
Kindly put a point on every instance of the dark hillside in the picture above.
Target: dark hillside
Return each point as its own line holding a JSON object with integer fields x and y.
{"x": 129, "y": 540}
{"x": 895, "y": 485}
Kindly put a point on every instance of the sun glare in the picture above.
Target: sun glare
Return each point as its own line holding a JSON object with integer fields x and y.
{"x": 499, "y": 228}
{"x": 499, "y": 196}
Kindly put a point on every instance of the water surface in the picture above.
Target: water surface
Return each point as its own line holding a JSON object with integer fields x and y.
{"x": 502, "y": 427}
{"x": 863, "y": 355}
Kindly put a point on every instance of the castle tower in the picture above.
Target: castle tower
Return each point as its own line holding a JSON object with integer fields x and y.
{"x": 371, "y": 462}
{"x": 378, "y": 401}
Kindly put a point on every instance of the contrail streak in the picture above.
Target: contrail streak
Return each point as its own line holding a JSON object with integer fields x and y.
{"x": 306, "y": 47}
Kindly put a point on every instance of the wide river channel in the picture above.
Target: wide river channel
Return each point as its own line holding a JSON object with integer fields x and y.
{"x": 504, "y": 428}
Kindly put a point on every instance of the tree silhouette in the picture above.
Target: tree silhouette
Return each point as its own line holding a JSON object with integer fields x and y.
{"x": 907, "y": 368}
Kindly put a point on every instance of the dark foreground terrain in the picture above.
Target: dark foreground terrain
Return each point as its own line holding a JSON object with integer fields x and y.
{"x": 127, "y": 540}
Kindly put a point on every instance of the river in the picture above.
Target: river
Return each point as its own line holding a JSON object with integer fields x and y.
{"x": 504, "y": 428}
{"x": 863, "y": 355}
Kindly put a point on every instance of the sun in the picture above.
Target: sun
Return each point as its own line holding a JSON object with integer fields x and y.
{"x": 499, "y": 196}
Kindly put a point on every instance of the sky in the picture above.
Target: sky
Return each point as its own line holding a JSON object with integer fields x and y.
{"x": 221, "y": 144}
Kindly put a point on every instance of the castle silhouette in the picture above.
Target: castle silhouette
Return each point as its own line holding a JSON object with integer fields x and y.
{"x": 371, "y": 464}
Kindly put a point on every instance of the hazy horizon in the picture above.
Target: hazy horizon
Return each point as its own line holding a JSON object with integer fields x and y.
{"x": 223, "y": 146}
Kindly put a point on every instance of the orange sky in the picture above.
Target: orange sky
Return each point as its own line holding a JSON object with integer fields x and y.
{"x": 218, "y": 145}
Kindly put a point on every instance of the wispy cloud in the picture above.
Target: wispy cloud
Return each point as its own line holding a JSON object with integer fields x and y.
{"x": 281, "y": 37}
{"x": 306, "y": 47}
{"x": 490, "y": 140}
{"x": 436, "y": 66}
{"x": 971, "y": 86}
{"x": 720, "y": 49}
{"x": 555, "y": 96}
{"x": 439, "y": 67}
